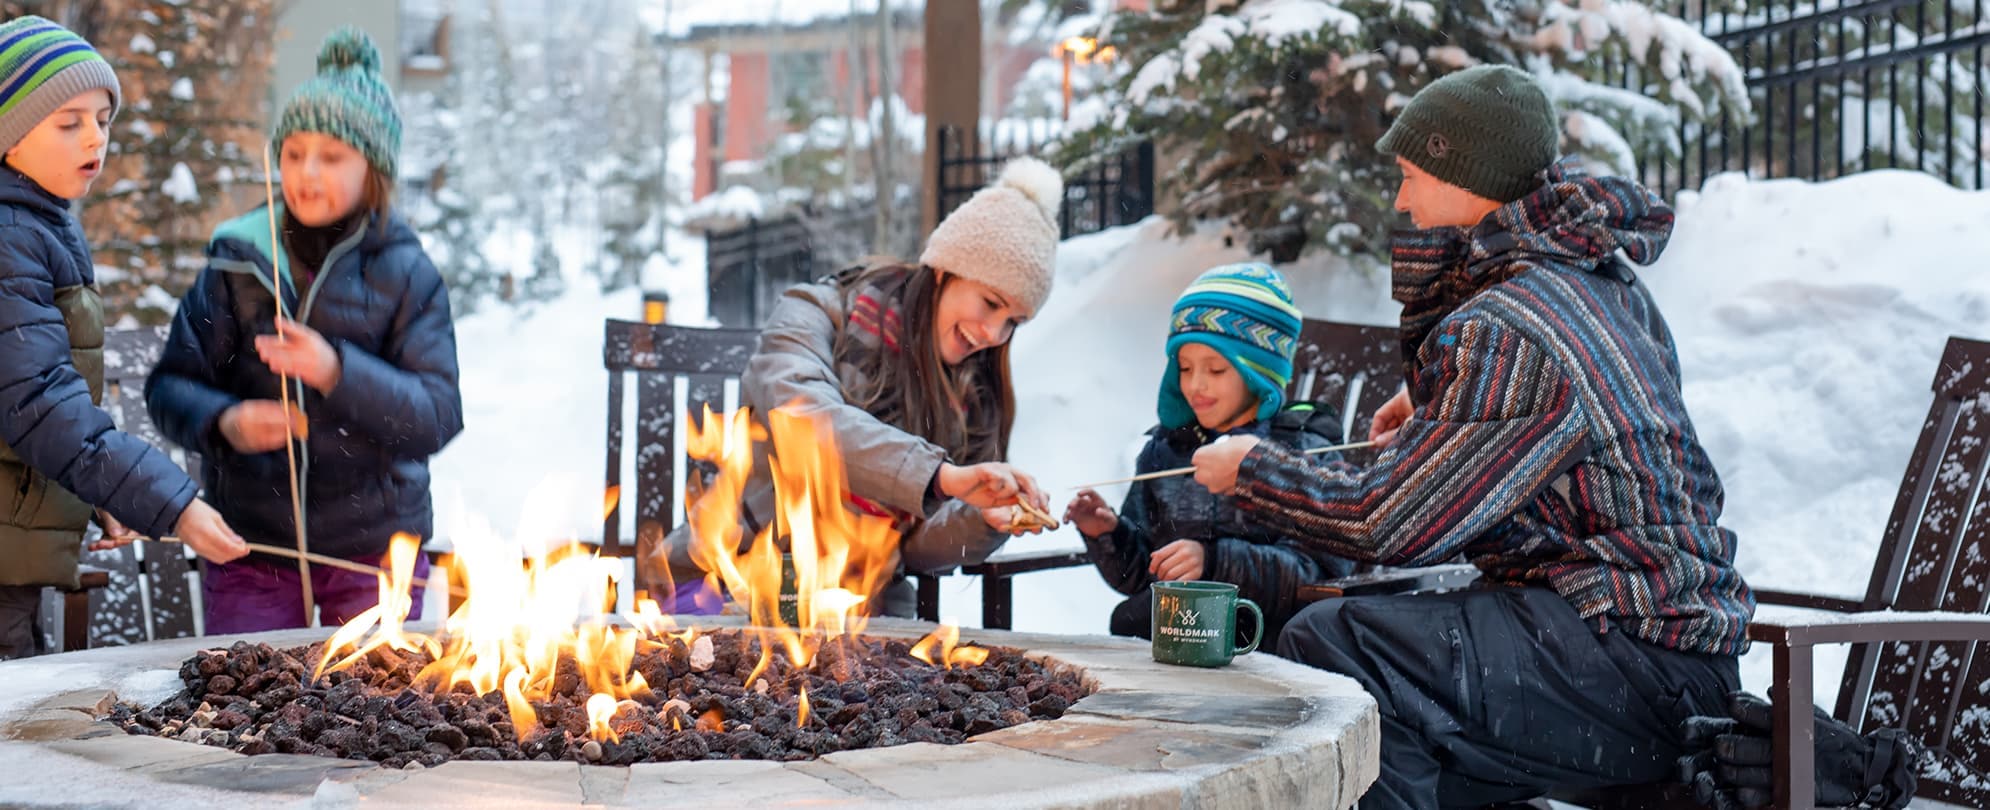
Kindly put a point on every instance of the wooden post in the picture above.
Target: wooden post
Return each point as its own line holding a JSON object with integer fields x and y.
{"x": 953, "y": 88}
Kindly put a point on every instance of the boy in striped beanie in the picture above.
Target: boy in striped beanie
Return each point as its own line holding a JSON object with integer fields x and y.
{"x": 1230, "y": 344}
{"x": 61, "y": 460}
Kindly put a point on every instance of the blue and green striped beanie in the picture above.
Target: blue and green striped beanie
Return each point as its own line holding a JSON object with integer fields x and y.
{"x": 44, "y": 65}
{"x": 347, "y": 100}
{"x": 1244, "y": 312}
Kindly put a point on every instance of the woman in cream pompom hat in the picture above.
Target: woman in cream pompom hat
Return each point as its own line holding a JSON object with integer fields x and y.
{"x": 909, "y": 365}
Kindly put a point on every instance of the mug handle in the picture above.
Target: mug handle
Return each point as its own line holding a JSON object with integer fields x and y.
{"x": 1257, "y": 633}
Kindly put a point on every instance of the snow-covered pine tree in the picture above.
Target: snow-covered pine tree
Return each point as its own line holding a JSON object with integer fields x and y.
{"x": 435, "y": 159}
{"x": 631, "y": 198}
{"x": 185, "y": 149}
{"x": 1266, "y": 111}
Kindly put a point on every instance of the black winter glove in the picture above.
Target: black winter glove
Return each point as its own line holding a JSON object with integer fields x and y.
{"x": 1733, "y": 761}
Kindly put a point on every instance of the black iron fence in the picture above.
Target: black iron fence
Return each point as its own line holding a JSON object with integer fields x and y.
{"x": 748, "y": 267}
{"x": 1113, "y": 192}
{"x": 1836, "y": 89}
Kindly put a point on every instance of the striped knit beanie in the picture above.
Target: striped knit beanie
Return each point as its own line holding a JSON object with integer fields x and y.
{"x": 1244, "y": 312}
{"x": 347, "y": 100}
{"x": 44, "y": 66}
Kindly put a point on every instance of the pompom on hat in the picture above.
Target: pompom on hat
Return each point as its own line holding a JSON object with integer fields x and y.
{"x": 347, "y": 100}
{"x": 1005, "y": 236}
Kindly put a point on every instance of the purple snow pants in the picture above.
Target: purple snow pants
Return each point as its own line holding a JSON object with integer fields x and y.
{"x": 252, "y": 595}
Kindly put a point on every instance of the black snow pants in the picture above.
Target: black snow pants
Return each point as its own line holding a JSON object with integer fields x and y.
{"x": 1501, "y": 694}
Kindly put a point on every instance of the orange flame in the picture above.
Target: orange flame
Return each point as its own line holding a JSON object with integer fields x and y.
{"x": 943, "y": 640}
{"x": 600, "y": 710}
{"x": 801, "y": 714}
{"x": 517, "y": 622}
{"x": 841, "y": 558}
{"x": 713, "y": 720}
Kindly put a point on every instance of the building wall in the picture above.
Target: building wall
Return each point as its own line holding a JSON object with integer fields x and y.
{"x": 303, "y": 26}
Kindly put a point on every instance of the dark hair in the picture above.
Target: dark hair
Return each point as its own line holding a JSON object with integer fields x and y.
{"x": 377, "y": 197}
{"x": 913, "y": 389}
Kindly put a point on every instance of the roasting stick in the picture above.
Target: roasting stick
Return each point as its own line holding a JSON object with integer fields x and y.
{"x": 1186, "y": 470}
{"x": 330, "y": 562}
{"x": 304, "y": 558}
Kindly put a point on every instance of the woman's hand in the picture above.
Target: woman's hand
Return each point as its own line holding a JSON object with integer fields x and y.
{"x": 993, "y": 483}
{"x": 1091, "y": 515}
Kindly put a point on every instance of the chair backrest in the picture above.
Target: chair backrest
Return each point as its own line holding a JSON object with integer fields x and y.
{"x": 1352, "y": 367}
{"x": 657, "y": 356}
{"x": 1934, "y": 556}
{"x": 152, "y": 584}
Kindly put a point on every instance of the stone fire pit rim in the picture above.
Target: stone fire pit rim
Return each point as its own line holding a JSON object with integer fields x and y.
{"x": 1261, "y": 732}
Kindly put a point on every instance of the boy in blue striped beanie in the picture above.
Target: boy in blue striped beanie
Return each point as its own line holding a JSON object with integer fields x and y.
{"x": 1230, "y": 345}
{"x": 60, "y": 457}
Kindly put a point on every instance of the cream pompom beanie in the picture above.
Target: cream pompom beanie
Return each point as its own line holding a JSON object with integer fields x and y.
{"x": 1005, "y": 236}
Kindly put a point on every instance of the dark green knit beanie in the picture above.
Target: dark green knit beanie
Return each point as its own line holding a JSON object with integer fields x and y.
{"x": 347, "y": 100}
{"x": 1487, "y": 129}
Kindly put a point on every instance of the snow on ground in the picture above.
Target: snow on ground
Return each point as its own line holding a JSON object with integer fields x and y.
{"x": 1808, "y": 317}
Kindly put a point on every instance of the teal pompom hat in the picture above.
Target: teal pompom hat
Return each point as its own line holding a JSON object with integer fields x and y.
{"x": 348, "y": 101}
{"x": 1244, "y": 312}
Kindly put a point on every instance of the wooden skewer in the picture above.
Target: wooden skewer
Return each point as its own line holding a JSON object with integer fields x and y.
{"x": 283, "y": 385}
{"x": 1186, "y": 470}
{"x": 329, "y": 562}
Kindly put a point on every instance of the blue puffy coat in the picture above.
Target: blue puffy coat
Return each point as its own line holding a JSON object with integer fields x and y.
{"x": 383, "y": 307}
{"x": 59, "y": 453}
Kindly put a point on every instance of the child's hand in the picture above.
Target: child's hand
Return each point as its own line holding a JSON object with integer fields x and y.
{"x": 991, "y": 484}
{"x": 299, "y": 351}
{"x": 203, "y": 530}
{"x": 1090, "y": 514}
{"x": 260, "y": 425}
{"x": 1178, "y": 561}
{"x": 1217, "y": 462}
{"x": 1390, "y": 417}
{"x": 116, "y": 535}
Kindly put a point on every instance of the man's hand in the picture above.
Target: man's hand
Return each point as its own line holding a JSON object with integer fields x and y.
{"x": 1179, "y": 561}
{"x": 261, "y": 425}
{"x": 1732, "y": 766}
{"x": 1390, "y": 418}
{"x": 299, "y": 351}
{"x": 1090, "y": 514}
{"x": 1217, "y": 462}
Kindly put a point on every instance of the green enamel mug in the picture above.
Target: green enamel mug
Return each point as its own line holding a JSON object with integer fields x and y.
{"x": 1195, "y": 623}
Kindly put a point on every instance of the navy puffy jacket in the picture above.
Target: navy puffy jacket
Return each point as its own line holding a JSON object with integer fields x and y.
{"x": 383, "y": 307}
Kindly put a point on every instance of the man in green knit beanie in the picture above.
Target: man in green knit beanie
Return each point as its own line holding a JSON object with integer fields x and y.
{"x": 1543, "y": 437}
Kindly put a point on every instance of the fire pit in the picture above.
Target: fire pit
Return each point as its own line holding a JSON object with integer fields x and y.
{"x": 529, "y": 692}
{"x": 259, "y": 699}
{"x": 1262, "y": 732}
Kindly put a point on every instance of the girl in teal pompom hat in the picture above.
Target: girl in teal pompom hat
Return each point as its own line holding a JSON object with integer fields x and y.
{"x": 364, "y": 334}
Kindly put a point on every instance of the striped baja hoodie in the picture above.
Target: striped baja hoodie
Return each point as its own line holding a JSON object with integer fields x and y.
{"x": 1550, "y": 444}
